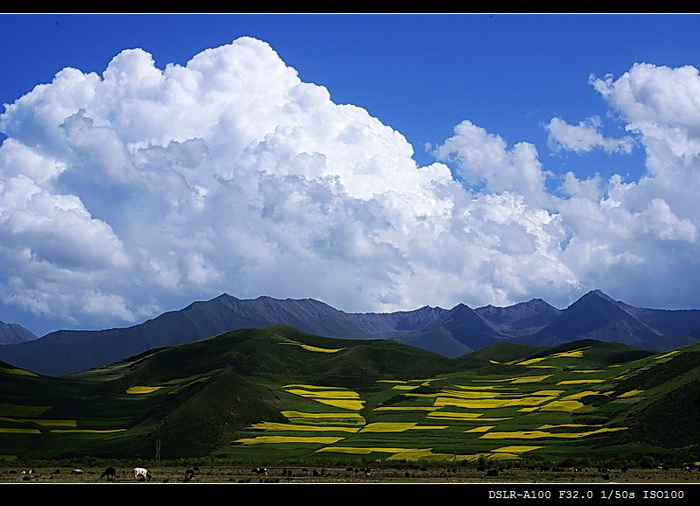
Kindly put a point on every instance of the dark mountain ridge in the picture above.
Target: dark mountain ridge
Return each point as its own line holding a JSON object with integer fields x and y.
{"x": 450, "y": 333}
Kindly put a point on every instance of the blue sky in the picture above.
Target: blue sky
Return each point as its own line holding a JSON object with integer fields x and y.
{"x": 551, "y": 155}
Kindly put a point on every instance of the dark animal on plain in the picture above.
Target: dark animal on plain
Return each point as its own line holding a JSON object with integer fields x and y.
{"x": 110, "y": 473}
{"x": 492, "y": 472}
{"x": 189, "y": 474}
{"x": 260, "y": 470}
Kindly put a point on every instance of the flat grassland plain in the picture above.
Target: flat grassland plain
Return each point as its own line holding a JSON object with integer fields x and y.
{"x": 346, "y": 475}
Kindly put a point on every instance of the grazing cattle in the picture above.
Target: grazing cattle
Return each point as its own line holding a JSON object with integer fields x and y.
{"x": 189, "y": 474}
{"x": 260, "y": 470}
{"x": 77, "y": 471}
{"x": 492, "y": 472}
{"x": 110, "y": 473}
{"x": 141, "y": 474}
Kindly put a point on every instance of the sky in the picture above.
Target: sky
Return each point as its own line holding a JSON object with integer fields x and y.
{"x": 375, "y": 162}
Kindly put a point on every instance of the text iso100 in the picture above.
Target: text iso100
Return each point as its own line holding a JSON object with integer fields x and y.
{"x": 663, "y": 494}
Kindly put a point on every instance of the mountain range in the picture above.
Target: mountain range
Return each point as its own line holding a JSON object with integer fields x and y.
{"x": 450, "y": 333}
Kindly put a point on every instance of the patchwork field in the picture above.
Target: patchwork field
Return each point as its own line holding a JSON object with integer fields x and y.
{"x": 276, "y": 396}
{"x": 548, "y": 411}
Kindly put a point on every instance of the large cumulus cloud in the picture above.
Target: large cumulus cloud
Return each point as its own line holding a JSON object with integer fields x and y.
{"x": 130, "y": 192}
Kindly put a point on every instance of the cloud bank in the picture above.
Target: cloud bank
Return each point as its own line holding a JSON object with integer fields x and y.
{"x": 128, "y": 193}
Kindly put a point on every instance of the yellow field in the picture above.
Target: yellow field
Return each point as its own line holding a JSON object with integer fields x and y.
{"x": 300, "y": 427}
{"x": 86, "y": 431}
{"x": 629, "y": 394}
{"x": 562, "y": 405}
{"x": 141, "y": 390}
{"x": 405, "y": 408}
{"x": 579, "y": 395}
{"x": 21, "y": 411}
{"x": 666, "y": 355}
{"x": 516, "y": 449}
{"x": 53, "y": 423}
{"x": 289, "y": 439}
{"x": 315, "y": 349}
{"x": 387, "y": 427}
{"x": 311, "y": 418}
{"x": 531, "y": 379}
{"x": 540, "y": 434}
{"x": 484, "y": 428}
{"x": 339, "y": 398}
{"x": 580, "y": 382}
{"x": 531, "y": 361}
{"x": 361, "y": 450}
{"x": 20, "y": 372}
{"x": 492, "y": 403}
{"x": 453, "y": 415}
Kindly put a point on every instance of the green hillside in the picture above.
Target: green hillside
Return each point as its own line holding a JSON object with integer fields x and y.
{"x": 275, "y": 394}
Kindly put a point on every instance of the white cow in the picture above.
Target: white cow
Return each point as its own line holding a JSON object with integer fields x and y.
{"x": 142, "y": 474}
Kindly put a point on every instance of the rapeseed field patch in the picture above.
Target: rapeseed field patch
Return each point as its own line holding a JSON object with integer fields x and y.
{"x": 9, "y": 430}
{"x": 540, "y": 434}
{"x": 483, "y": 428}
{"x": 363, "y": 450}
{"x": 21, "y": 411}
{"x": 53, "y": 423}
{"x": 340, "y": 398}
{"x": 288, "y": 439}
{"x": 275, "y": 426}
{"x": 531, "y": 361}
{"x": 579, "y": 382}
{"x": 405, "y": 408}
{"x": 531, "y": 379}
{"x": 666, "y": 355}
{"x": 328, "y": 418}
{"x": 20, "y": 372}
{"x": 86, "y": 431}
{"x": 138, "y": 390}
{"x": 562, "y": 405}
{"x": 454, "y": 415}
{"x": 387, "y": 427}
{"x": 579, "y": 395}
{"x": 315, "y": 349}
{"x": 629, "y": 394}
{"x": 516, "y": 449}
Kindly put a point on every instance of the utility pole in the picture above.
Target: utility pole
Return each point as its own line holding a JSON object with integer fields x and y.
{"x": 157, "y": 450}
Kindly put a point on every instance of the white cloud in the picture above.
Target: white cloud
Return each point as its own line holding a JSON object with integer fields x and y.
{"x": 584, "y": 137}
{"x": 484, "y": 158}
{"x": 142, "y": 188}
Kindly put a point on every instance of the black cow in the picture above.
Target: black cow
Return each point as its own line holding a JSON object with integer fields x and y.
{"x": 110, "y": 473}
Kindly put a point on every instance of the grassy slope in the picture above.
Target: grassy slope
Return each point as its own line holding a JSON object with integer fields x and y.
{"x": 215, "y": 390}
